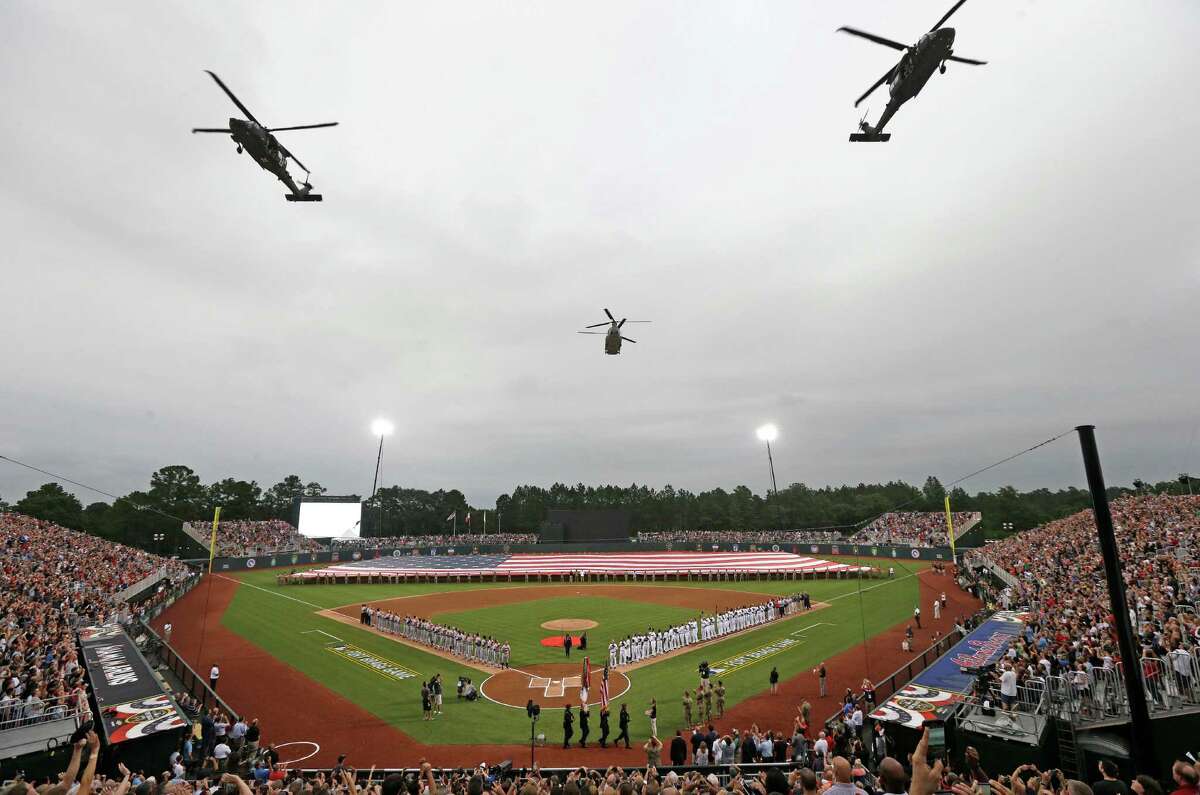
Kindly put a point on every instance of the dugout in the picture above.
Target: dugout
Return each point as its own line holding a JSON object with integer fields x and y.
{"x": 584, "y": 527}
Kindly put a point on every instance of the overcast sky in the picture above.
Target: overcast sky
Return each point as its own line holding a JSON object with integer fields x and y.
{"x": 1022, "y": 257}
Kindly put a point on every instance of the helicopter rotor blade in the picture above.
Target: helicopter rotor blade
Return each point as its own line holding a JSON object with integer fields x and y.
{"x": 886, "y": 77}
{"x": 622, "y": 323}
{"x": 942, "y": 21}
{"x": 628, "y": 340}
{"x": 236, "y": 101}
{"x": 956, "y": 59}
{"x": 895, "y": 45}
{"x": 598, "y": 325}
{"x": 610, "y": 317}
{"x": 284, "y": 149}
{"x": 303, "y": 127}
{"x": 601, "y": 333}
{"x": 211, "y": 129}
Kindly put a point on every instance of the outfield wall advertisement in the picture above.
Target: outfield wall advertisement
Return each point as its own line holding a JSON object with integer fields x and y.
{"x": 289, "y": 559}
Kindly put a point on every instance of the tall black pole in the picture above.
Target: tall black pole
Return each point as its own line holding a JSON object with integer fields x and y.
{"x": 375, "y": 487}
{"x": 774, "y": 487}
{"x": 1131, "y": 665}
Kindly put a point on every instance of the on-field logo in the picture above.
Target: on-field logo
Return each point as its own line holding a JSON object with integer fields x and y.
{"x": 726, "y": 667}
{"x": 372, "y": 662}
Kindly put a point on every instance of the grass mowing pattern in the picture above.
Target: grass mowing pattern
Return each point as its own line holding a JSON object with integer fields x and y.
{"x": 277, "y": 624}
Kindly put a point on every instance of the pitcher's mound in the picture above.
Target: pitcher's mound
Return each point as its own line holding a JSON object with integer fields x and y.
{"x": 552, "y": 685}
{"x": 569, "y": 624}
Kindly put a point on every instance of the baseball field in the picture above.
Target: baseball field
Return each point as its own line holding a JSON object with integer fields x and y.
{"x": 321, "y": 684}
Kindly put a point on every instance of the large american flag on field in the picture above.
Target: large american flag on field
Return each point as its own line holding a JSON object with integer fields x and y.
{"x": 592, "y": 563}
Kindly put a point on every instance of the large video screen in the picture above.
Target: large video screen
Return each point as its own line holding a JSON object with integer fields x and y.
{"x": 330, "y": 519}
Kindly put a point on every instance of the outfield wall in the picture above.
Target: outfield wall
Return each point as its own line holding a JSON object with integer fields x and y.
{"x": 288, "y": 559}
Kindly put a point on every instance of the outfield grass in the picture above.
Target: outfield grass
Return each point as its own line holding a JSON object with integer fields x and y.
{"x": 278, "y": 619}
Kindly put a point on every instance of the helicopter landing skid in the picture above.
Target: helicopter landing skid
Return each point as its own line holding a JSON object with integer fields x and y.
{"x": 302, "y": 197}
{"x": 870, "y": 137}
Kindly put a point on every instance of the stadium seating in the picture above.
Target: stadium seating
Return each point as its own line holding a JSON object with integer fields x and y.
{"x": 466, "y": 540}
{"x": 914, "y": 529}
{"x": 55, "y": 580}
{"x": 241, "y": 538}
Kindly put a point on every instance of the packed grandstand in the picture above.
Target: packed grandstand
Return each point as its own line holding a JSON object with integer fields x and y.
{"x": 244, "y": 538}
{"x": 56, "y": 579}
{"x": 241, "y": 538}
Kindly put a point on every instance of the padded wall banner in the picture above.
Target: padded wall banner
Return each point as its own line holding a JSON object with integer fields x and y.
{"x": 131, "y": 699}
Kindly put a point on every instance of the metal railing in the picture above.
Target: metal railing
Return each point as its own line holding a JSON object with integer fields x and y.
{"x": 1170, "y": 685}
{"x": 1024, "y": 720}
{"x": 17, "y": 714}
{"x": 162, "y": 655}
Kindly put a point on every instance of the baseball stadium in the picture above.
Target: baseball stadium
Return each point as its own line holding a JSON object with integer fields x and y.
{"x": 312, "y": 481}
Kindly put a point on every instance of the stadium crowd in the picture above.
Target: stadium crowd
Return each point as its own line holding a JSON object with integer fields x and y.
{"x": 752, "y": 537}
{"x": 911, "y": 528}
{"x": 434, "y": 540}
{"x": 701, "y": 763}
{"x": 243, "y": 538}
{"x": 52, "y": 581}
{"x": 1059, "y": 581}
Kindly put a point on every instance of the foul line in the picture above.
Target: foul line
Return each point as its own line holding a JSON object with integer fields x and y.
{"x": 812, "y": 626}
{"x": 872, "y": 588}
{"x": 267, "y": 590}
{"x": 323, "y": 632}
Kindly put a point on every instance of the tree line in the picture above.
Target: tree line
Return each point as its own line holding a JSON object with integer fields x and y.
{"x": 151, "y": 518}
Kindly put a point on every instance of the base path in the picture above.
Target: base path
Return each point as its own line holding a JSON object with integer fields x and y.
{"x": 295, "y": 709}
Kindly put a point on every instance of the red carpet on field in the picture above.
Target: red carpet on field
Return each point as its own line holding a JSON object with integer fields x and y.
{"x": 556, "y": 641}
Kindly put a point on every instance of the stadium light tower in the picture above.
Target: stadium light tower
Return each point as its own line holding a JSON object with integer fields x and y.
{"x": 769, "y": 433}
{"x": 380, "y": 428}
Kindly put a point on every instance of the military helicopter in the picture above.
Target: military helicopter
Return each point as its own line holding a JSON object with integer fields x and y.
{"x": 908, "y": 77}
{"x": 612, "y": 337}
{"x": 265, "y": 148}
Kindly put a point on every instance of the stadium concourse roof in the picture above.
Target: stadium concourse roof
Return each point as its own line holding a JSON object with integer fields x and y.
{"x": 565, "y": 563}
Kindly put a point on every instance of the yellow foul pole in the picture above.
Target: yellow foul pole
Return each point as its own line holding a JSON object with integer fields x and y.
{"x": 212, "y": 544}
{"x": 950, "y": 530}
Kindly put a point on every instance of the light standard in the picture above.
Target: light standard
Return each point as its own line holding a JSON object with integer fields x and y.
{"x": 769, "y": 433}
{"x": 1007, "y": 527}
{"x": 158, "y": 539}
{"x": 380, "y": 428}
